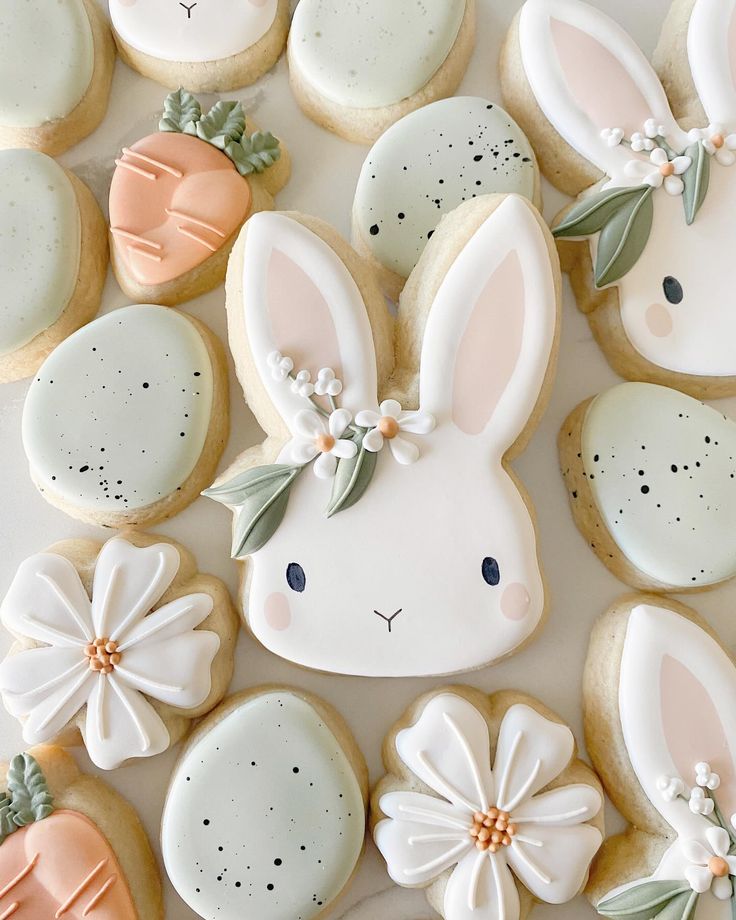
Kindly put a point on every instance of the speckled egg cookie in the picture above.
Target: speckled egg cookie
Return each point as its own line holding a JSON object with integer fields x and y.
{"x": 53, "y": 258}
{"x": 126, "y": 420}
{"x": 425, "y": 165}
{"x": 651, "y": 476}
{"x": 357, "y": 68}
{"x": 265, "y": 814}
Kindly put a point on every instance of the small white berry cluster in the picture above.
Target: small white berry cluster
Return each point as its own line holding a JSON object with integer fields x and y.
{"x": 698, "y": 797}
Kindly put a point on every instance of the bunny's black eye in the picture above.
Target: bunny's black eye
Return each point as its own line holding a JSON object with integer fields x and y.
{"x": 672, "y": 289}
{"x": 295, "y": 577}
{"x": 489, "y": 570}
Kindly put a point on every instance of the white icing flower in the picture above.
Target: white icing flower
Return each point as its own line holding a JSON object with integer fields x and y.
{"x": 612, "y": 136}
{"x": 386, "y": 425}
{"x": 302, "y": 384}
{"x": 653, "y": 129}
{"x": 327, "y": 384}
{"x": 716, "y": 142}
{"x": 280, "y": 366}
{"x": 705, "y": 777}
{"x": 700, "y": 803}
{"x": 107, "y": 654}
{"x": 660, "y": 170}
{"x": 671, "y": 787}
{"x": 710, "y": 866}
{"x": 640, "y": 142}
{"x": 483, "y": 820}
{"x": 322, "y": 438}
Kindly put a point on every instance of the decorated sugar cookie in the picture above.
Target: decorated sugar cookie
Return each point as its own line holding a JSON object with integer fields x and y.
{"x": 209, "y": 46}
{"x": 124, "y": 643}
{"x": 356, "y": 69}
{"x": 56, "y": 62}
{"x": 654, "y": 202}
{"x": 126, "y": 420}
{"x": 486, "y": 805}
{"x": 265, "y": 814}
{"x": 53, "y": 258}
{"x": 424, "y": 166}
{"x": 179, "y": 197}
{"x": 70, "y": 846}
{"x": 651, "y": 477}
{"x": 659, "y": 728}
{"x": 360, "y": 442}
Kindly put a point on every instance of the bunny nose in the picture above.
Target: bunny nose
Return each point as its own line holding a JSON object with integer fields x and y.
{"x": 388, "y": 620}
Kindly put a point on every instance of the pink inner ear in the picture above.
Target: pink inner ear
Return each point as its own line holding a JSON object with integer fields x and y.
{"x": 489, "y": 349}
{"x": 598, "y": 82}
{"x": 694, "y": 731}
{"x": 301, "y": 323}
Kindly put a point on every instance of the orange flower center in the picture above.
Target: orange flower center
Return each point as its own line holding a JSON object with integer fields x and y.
{"x": 324, "y": 443}
{"x": 718, "y": 866}
{"x": 667, "y": 169}
{"x": 718, "y": 140}
{"x": 388, "y": 427}
{"x": 492, "y": 830}
{"x": 102, "y": 655}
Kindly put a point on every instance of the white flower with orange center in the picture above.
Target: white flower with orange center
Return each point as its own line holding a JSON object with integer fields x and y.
{"x": 659, "y": 170}
{"x": 388, "y": 423}
{"x": 717, "y": 143}
{"x": 322, "y": 438}
{"x": 711, "y": 866}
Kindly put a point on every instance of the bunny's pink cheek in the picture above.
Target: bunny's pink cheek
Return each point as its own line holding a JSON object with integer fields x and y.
{"x": 659, "y": 320}
{"x": 515, "y": 601}
{"x": 276, "y": 611}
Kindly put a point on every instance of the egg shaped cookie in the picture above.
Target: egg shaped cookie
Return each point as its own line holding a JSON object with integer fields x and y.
{"x": 357, "y": 68}
{"x": 126, "y": 420}
{"x": 265, "y": 815}
{"x": 651, "y": 477}
{"x": 428, "y": 163}
{"x": 53, "y": 258}
{"x": 209, "y": 46}
{"x": 56, "y": 63}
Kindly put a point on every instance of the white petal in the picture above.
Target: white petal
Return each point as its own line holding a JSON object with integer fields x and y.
{"x": 338, "y": 422}
{"x": 121, "y": 724}
{"x": 30, "y": 677}
{"x": 681, "y": 164}
{"x": 176, "y": 618}
{"x": 722, "y": 888}
{"x": 417, "y": 853}
{"x": 47, "y": 602}
{"x": 373, "y": 441}
{"x": 695, "y": 852}
{"x": 419, "y": 808}
{"x": 404, "y": 451}
{"x": 699, "y": 878}
{"x": 367, "y": 418}
{"x": 303, "y": 451}
{"x": 725, "y": 157}
{"x": 655, "y": 179}
{"x": 674, "y": 185}
{"x": 658, "y": 156}
{"x": 309, "y": 424}
{"x": 731, "y": 860}
{"x": 531, "y": 752}
{"x": 128, "y": 582}
{"x": 391, "y": 408}
{"x": 485, "y": 882}
{"x": 566, "y": 805}
{"x": 694, "y": 134}
{"x": 345, "y": 449}
{"x": 731, "y": 141}
{"x": 709, "y": 146}
{"x": 638, "y": 169}
{"x": 553, "y": 862}
{"x": 417, "y": 422}
{"x": 719, "y": 840}
{"x": 325, "y": 466}
{"x": 50, "y": 714}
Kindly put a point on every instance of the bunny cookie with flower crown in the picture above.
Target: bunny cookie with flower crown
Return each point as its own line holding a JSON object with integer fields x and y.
{"x": 659, "y": 691}
{"x": 655, "y": 199}
{"x": 384, "y": 532}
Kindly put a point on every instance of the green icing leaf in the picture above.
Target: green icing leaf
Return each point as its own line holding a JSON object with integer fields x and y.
{"x": 663, "y": 900}
{"x": 7, "y": 825}
{"x": 255, "y": 153}
{"x": 30, "y": 798}
{"x": 624, "y": 236}
{"x": 351, "y": 479}
{"x": 181, "y": 112}
{"x": 593, "y": 212}
{"x": 223, "y": 124}
{"x": 696, "y": 180}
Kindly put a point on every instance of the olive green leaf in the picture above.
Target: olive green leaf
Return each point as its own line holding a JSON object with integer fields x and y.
{"x": 624, "y": 236}
{"x": 30, "y": 799}
{"x": 352, "y": 478}
{"x": 255, "y": 153}
{"x": 181, "y": 112}
{"x": 7, "y": 825}
{"x": 696, "y": 180}
{"x": 223, "y": 124}
{"x": 591, "y": 213}
{"x": 663, "y": 900}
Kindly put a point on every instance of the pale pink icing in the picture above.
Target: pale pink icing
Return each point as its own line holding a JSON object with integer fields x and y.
{"x": 209, "y": 191}
{"x": 515, "y": 601}
{"x": 659, "y": 320}
{"x": 276, "y": 611}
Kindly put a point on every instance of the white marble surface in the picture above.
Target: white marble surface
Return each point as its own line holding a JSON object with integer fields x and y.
{"x": 325, "y": 171}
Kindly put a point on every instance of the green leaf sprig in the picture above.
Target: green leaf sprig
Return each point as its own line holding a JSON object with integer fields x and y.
{"x": 27, "y": 799}
{"x": 651, "y": 900}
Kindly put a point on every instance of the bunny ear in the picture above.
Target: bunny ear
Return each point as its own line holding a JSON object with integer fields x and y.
{"x": 491, "y": 328}
{"x": 300, "y": 300}
{"x": 711, "y": 49}
{"x": 676, "y": 694}
{"x": 587, "y": 76}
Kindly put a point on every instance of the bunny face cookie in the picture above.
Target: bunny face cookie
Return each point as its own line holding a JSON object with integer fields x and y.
{"x": 656, "y": 199}
{"x": 659, "y": 728}
{"x": 346, "y": 511}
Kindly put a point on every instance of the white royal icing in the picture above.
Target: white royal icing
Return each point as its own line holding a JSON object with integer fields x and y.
{"x": 157, "y": 654}
{"x": 428, "y": 163}
{"x": 415, "y": 601}
{"x": 264, "y": 816}
{"x": 208, "y": 30}
{"x": 372, "y": 53}
{"x": 546, "y": 844}
{"x": 46, "y": 60}
{"x": 117, "y": 417}
{"x": 40, "y": 232}
{"x": 662, "y": 470}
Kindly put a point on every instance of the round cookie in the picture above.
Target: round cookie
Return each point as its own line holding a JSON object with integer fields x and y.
{"x": 126, "y": 419}
{"x": 209, "y": 46}
{"x": 425, "y": 165}
{"x": 179, "y": 197}
{"x": 265, "y": 814}
{"x": 53, "y": 258}
{"x": 357, "y": 69}
{"x": 56, "y": 63}
{"x": 122, "y": 643}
